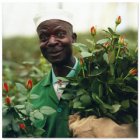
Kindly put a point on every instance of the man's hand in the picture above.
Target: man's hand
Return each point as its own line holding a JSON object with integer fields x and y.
{"x": 92, "y": 127}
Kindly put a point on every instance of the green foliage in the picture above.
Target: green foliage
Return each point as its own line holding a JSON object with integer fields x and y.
{"x": 105, "y": 87}
{"x": 20, "y": 119}
{"x": 21, "y": 108}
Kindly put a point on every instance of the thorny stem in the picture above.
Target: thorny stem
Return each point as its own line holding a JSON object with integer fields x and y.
{"x": 115, "y": 27}
{"x": 126, "y": 76}
{"x": 89, "y": 67}
{"x": 83, "y": 71}
{"x": 118, "y": 51}
{"x": 93, "y": 46}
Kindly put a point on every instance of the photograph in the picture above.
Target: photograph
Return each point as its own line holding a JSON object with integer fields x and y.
{"x": 70, "y": 69}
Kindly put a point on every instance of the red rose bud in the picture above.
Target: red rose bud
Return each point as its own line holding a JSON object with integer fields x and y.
{"x": 133, "y": 71}
{"x": 93, "y": 31}
{"x": 118, "y": 20}
{"x": 22, "y": 126}
{"x": 121, "y": 40}
{"x": 8, "y": 100}
{"x": 5, "y": 87}
{"x": 29, "y": 84}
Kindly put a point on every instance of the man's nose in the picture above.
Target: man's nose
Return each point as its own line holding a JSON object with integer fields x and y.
{"x": 52, "y": 41}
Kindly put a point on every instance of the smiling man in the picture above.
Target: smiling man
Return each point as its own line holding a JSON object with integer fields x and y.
{"x": 56, "y": 36}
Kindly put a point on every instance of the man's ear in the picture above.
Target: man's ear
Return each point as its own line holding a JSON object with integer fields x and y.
{"x": 74, "y": 37}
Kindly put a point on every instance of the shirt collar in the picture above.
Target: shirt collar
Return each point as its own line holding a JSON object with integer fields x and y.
{"x": 70, "y": 74}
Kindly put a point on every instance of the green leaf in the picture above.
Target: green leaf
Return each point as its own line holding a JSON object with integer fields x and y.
{"x": 38, "y": 115}
{"x": 80, "y": 46}
{"x": 39, "y": 123}
{"x": 12, "y": 98}
{"x": 81, "y": 91}
{"x": 111, "y": 57}
{"x": 115, "y": 108}
{"x": 77, "y": 104}
{"x": 99, "y": 71}
{"x": 111, "y": 69}
{"x": 28, "y": 62}
{"x": 129, "y": 89}
{"x": 32, "y": 118}
{"x": 47, "y": 110}
{"x": 21, "y": 88}
{"x": 97, "y": 51}
{"x": 135, "y": 101}
{"x": 106, "y": 32}
{"x": 34, "y": 96}
{"x": 89, "y": 110}
{"x": 127, "y": 119}
{"x": 125, "y": 104}
{"x": 39, "y": 132}
{"x": 74, "y": 84}
{"x": 107, "y": 106}
{"x": 102, "y": 41}
{"x": 136, "y": 78}
{"x": 85, "y": 99}
{"x": 100, "y": 90}
{"x": 24, "y": 112}
{"x": 86, "y": 54}
{"x": 29, "y": 107}
{"x": 19, "y": 106}
{"x": 67, "y": 96}
{"x": 111, "y": 31}
{"x": 90, "y": 41}
{"x": 15, "y": 125}
{"x": 22, "y": 99}
{"x": 100, "y": 102}
{"x": 38, "y": 71}
{"x": 105, "y": 56}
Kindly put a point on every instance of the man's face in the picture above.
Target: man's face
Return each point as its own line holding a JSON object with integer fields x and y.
{"x": 56, "y": 40}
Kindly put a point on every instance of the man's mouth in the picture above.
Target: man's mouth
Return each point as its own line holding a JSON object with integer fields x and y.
{"x": 55, "y": 53}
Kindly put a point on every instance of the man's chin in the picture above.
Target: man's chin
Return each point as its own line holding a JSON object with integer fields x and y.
{"x": 58, "y": 62}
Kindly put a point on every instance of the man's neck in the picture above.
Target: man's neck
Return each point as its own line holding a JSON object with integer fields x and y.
{"x": 63, "y": 70}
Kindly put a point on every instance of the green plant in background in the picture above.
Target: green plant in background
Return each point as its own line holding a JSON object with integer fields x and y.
{"x": 18, "y": 114}
{"x": 105, "y": 86}
{"x": 107, "y": 83}
{"x": 19, "y": 117}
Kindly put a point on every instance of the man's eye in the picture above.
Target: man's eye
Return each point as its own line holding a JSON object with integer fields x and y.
{"x": 60, "y": 34}
{"x": 44, "y": 37}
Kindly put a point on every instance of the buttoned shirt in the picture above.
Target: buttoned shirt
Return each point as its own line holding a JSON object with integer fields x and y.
{"x": 59, "y": 85}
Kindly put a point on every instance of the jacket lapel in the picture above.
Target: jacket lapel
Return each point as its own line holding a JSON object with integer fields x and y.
{"x": 48, "y": 84}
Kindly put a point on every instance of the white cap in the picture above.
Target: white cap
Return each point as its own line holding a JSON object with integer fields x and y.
{"x": 53, "y": 14}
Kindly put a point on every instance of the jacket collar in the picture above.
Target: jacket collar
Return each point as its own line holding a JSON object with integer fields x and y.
{"x": 48, "y": 79}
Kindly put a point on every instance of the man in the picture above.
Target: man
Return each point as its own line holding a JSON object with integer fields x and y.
{"x": 56, "y": 37}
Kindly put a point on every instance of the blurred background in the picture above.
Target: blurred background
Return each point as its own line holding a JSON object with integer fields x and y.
{"x": 20, "y": 42}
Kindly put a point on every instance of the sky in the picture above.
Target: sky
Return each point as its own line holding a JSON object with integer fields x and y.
{"x": 17, "y": 18}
